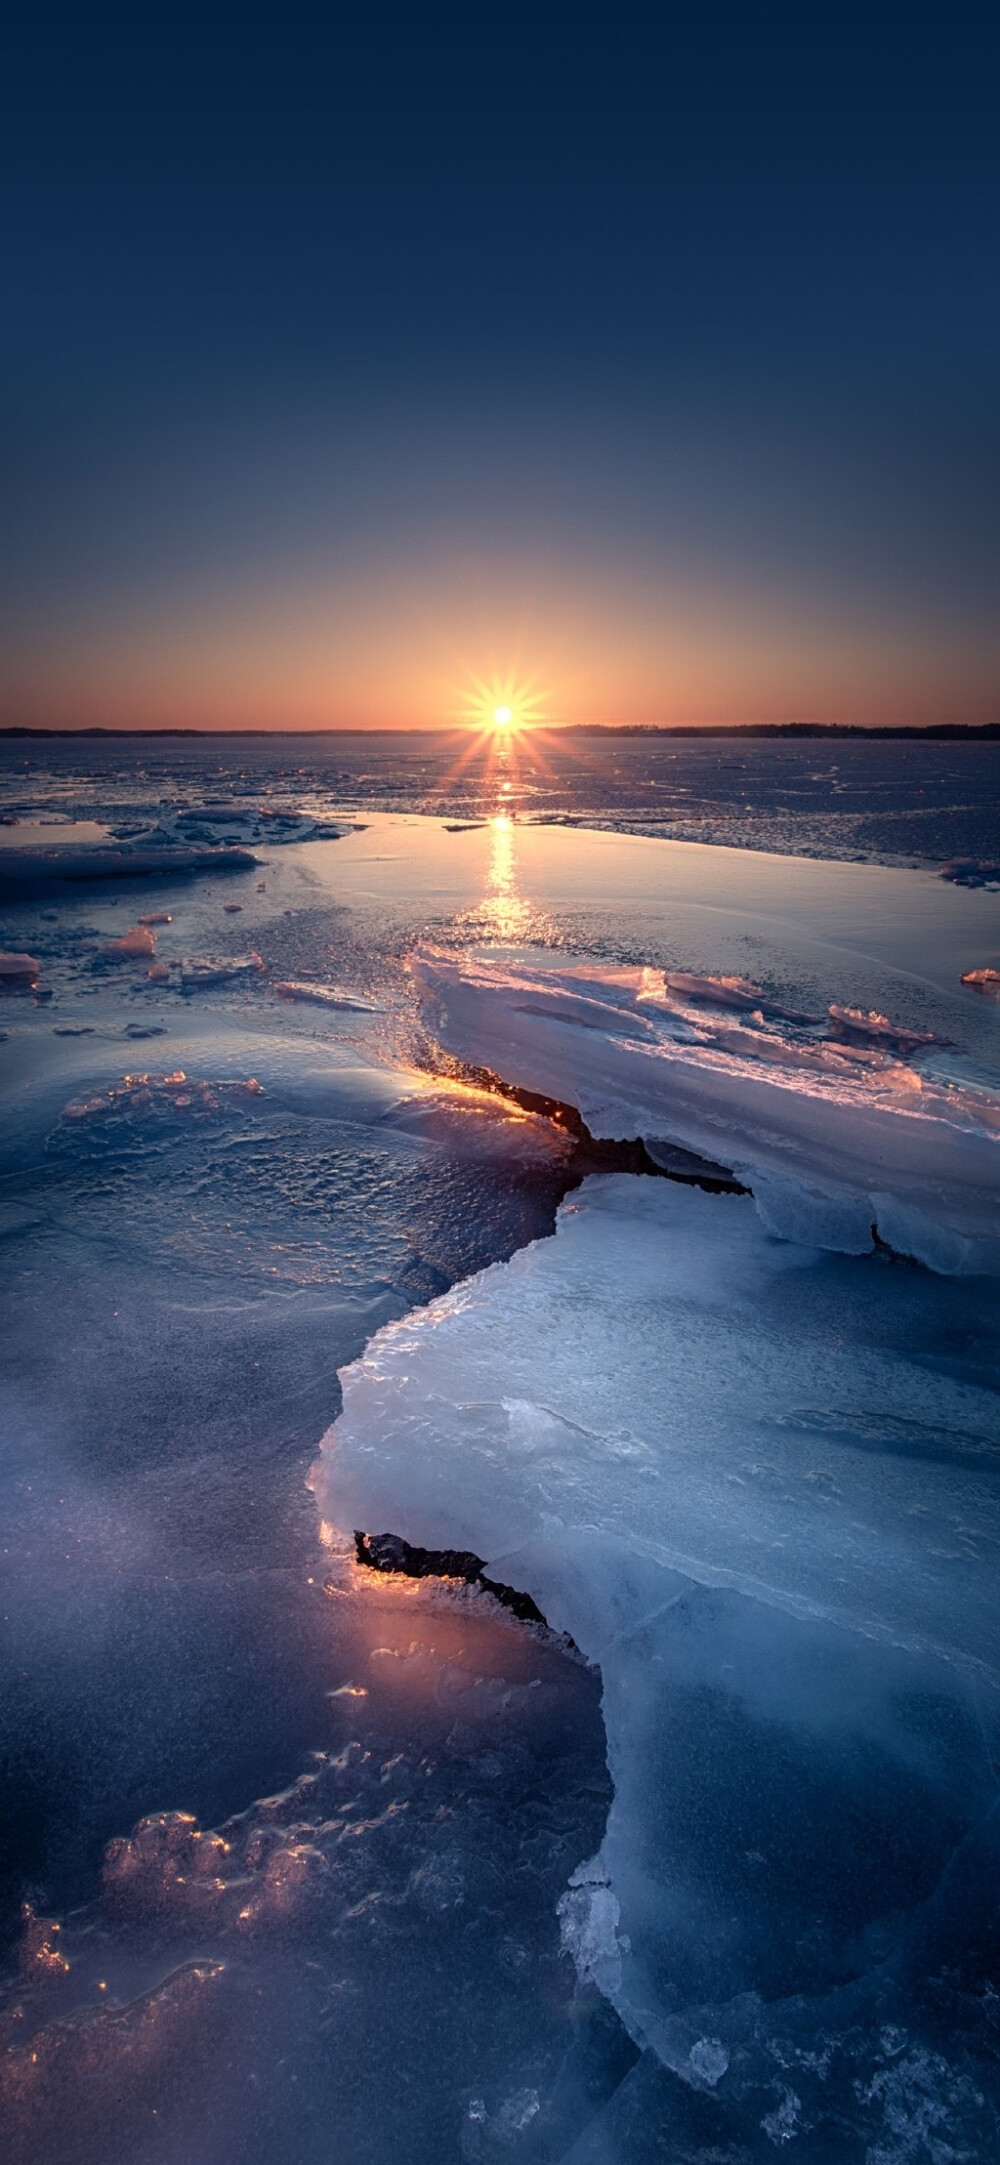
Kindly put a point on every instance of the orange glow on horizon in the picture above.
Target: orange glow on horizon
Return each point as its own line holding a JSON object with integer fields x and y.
{"x": 586, "y": 646}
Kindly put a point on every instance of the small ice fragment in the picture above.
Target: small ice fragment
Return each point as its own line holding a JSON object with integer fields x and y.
{"x": 853, "y": 1026}
{"x": 987, "y": 981}
{"x": 971, "y": 872}
{"x": 18, "y": 969}
{"x": 589, "y": 1915}
{"x": 137, "y": 941}
{"x": 83, "y": 1107}
{"x": 323, "y": 995}
{"x": 709, "y": 2060}
{"x": 780, "y": 2125}
{"x": 216, "y": 969}
{"x": 39, "y": 1950}
{"x": 516, "y": 2113}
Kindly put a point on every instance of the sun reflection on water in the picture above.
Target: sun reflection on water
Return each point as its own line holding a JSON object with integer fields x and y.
{"x": 503, "y": 914}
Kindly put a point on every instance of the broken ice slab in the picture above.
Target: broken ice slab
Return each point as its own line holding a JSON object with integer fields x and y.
{"x": 836, "y": 1141}
{"x": 733, "y": 992}
{"x": 26, "y": 870}
{"x": 761, "y": 1486}
{"x": 860, "y": 1027}
{"x": 665, "y": 1371}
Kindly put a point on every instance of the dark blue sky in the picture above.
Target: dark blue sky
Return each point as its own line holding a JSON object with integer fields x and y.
{"x": 653, "y": 355}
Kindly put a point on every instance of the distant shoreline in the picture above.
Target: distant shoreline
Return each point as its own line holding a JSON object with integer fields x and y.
{"x": 977, "y": 732}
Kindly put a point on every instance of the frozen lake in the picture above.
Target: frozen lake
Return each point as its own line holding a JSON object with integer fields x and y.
{"x": 446, "y": 1883}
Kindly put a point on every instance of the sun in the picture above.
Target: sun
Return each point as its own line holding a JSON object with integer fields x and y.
{"x": 505, "y": 706}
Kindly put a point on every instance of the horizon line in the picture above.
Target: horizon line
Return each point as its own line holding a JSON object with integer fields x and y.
{"x": 930, "y": 730}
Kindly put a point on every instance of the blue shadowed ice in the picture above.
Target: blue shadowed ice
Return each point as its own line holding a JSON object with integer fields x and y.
{"x": 761, "y": 1487}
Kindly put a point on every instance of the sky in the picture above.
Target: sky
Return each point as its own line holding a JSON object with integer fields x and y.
{"x": 356, "y": 363}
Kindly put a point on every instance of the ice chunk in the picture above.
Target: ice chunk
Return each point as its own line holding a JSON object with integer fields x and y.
{"x": 838, "y": 1140}
{"x": 858, "y": 1027}
{"x": 17, "y": 969}
{"x": 589, "y": 1917}
{"x": 987, "y": 981}
{"x": 138, "y": 941}
{"x": 757, "y": 1483}
{"x": 31, "y": 868}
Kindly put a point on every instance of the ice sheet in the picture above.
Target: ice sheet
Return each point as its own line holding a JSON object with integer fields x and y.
{"x": 761, "y": 1486}
{"x": 188, "y": 1276}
